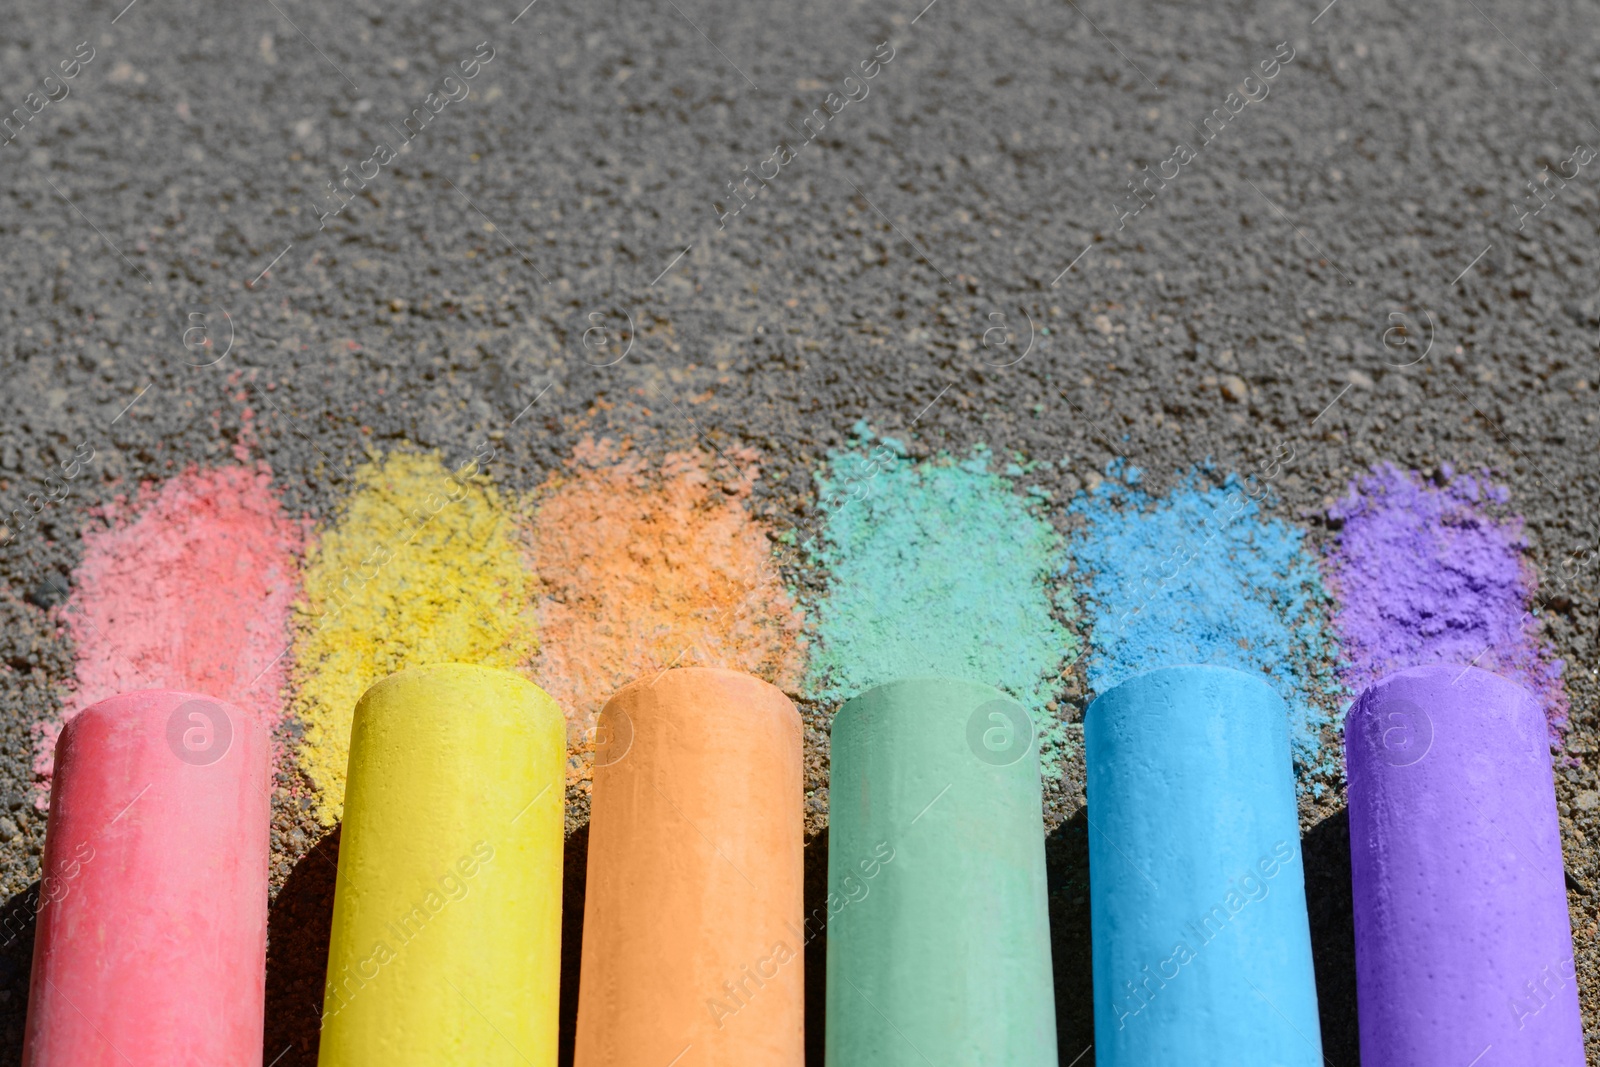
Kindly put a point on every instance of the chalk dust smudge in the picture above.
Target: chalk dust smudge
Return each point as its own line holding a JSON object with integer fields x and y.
{"x": 936, "y": 568}
{"x": 648, "y": 566}
{"x": 187, "y": 587}
{"x": 423, "y": 566}
{"x": 1201, "y": 576}
{"x": 1425, "y": 574}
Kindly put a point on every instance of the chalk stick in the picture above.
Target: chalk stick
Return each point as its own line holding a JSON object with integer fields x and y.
{"x": 446, "y": 938}
{"x": 691, "y": 945}
{"x": 1201, "y": 944}
{"x": 152, "y": 923}
{"x": 937, "y": 914}
{"x": 1463, "y": 945}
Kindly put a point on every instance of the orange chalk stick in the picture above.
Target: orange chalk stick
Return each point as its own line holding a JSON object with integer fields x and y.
{"x": 692, "y": 935}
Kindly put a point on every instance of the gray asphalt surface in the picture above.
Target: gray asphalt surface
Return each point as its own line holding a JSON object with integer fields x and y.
{"x": 1351, "y": 262}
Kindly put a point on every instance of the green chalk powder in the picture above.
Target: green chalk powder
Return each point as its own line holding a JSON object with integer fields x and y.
{"x": 936, "y": 568}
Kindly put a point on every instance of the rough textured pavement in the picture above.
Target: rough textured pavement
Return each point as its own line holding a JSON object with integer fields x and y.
{"x": 1351, "y": 263}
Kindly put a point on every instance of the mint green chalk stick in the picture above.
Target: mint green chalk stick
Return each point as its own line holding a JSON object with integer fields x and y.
{"x": 938, "y": 925}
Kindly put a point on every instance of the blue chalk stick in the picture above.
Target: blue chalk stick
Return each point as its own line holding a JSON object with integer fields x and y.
{"x": 1202, "y": 948}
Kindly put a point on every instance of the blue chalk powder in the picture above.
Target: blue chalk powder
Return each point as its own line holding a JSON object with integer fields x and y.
{"x": 1200, "y": 576}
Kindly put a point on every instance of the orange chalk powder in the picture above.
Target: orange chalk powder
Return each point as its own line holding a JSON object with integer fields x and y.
{"x": 647, "y": 567}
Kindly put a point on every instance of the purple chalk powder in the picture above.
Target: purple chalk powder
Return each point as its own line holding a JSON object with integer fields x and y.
{"x": 1463, "y": 945}
{"x": 1423, "y": 574}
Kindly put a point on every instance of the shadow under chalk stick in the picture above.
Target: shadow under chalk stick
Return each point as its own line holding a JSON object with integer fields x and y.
{"x": 574, "y": 884}
{"x": 1333, "y": 939}
{"x": 298, "y": 923}
{"x": 17, "y": 917}
{"x": 1463, "y": 943}
{"x": 939, "y": 925}
{"x": 1067, "y": 863}
{"x": 816, "y": 950}
{"x": 1202, "y": 948}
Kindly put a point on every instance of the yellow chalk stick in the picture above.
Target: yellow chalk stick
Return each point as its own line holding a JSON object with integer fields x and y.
{"x": 446, "y": 938}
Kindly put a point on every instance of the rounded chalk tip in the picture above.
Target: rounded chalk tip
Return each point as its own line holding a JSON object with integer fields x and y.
{"x": 142, "y": 701}
{"x": 455, "y": 706}
{"x": 199, "y": 729}
{"x": 690, "y": 698}
{"x": 680, "y": 685}
{"x": 1202, "y": 677}
{"x": 1397, "y": 718}
{"x": 911, "y": 695}
{"x": 911, "y": 689}
{"x": 1444, "y": 673}
{"x": 445, "y": 678}
{"x": 970, "y": 719}
{"x": 917, "y": 681}
{"x": 446, "y": 673}
{"x": 697, "y": 677}
{"x": 1445, "y": 679}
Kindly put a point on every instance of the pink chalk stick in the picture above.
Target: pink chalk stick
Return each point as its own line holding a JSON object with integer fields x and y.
{"x": 152, "y": 930}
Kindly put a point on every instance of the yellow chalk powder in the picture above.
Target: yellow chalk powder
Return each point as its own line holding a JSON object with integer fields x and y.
{"x": 422, "y": 567}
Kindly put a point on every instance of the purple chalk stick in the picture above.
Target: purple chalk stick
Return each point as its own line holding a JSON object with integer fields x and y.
{"x": 1463, "y": 948}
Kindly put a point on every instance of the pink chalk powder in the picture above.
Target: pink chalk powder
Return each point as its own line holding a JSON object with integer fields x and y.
{"x": 188, "y": 588}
